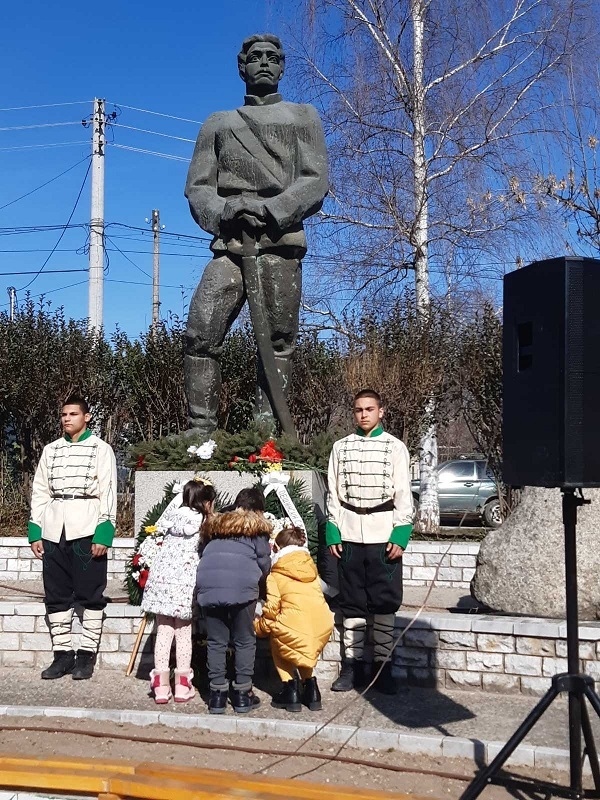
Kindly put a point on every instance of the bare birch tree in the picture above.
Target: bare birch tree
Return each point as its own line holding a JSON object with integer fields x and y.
{"x": 427, "y": 106}
{"x": 569, "y": 176}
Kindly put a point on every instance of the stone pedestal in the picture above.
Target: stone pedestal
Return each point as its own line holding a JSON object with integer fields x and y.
{"x": 150, "y": 487}
{"x": 521, "y": 566}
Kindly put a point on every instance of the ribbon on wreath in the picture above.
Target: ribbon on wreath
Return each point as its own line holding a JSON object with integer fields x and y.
{"x": 277, "y": 482}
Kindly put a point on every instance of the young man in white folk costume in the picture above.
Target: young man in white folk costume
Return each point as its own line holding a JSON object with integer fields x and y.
{"x": 369, "y": 524}
{"x": 73, "y": 515}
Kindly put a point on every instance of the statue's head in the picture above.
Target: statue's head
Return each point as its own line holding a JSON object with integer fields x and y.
{"x": 261, "y": 63}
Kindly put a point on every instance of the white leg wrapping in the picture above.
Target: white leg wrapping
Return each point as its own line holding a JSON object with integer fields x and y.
{"x": 383, "y": 635}
{"x": 91, "y": 630}
{"x": 355, "y": 634}
{"x": 60, "y": 629}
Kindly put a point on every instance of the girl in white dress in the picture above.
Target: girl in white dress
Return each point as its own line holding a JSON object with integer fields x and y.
{"x": 169, "y": 592}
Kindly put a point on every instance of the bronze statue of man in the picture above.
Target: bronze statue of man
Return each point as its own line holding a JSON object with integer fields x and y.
{"x": 256, "y": 174}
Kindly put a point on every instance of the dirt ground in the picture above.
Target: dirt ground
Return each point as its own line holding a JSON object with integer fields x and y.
{"x": 185, "y": 748}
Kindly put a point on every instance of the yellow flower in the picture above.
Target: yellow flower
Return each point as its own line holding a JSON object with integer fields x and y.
{"x": 150, "y": 528}
{"x": 274, "y": 467}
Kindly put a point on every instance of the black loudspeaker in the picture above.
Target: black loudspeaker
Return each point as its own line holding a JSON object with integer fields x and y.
{"x": 551, "y": 414}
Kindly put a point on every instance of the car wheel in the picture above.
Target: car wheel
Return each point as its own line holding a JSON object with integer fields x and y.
{"x": 492, "y": 514}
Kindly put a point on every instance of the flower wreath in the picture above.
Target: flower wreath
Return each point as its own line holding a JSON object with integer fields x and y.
{"x": 297, "y": 509}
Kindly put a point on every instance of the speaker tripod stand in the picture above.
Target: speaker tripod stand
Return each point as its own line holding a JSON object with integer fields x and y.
{"x": 578, "y": 687}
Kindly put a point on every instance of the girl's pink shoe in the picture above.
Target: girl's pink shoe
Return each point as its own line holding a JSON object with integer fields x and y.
{"x": 161, "y": 685}
{"x": 184, "y": 690}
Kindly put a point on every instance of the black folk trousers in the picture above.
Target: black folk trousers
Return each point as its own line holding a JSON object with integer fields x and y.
{"x": 369, "y": 582}
{"x": 72, "y": 575}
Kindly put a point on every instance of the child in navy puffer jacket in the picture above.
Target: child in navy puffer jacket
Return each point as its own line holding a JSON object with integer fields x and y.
{"x": 235, "y": 558}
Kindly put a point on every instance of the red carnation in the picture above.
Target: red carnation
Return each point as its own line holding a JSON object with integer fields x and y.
{"x": 143, "y": 577}
{"x": 136, "y": 560}
{"x": 139, "y": 464}
{"x": 269, "y": 452}
{"x": 253, "y": 458}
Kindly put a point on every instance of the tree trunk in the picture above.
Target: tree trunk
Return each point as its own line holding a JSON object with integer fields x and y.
{"x": 428, "y": 516}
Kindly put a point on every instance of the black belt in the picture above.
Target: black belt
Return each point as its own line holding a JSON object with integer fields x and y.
{"x": 75, "y": 497}
{"x": 387, "y": 506}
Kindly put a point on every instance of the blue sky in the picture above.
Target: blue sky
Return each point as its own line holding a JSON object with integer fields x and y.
{"x": 178, "y": 59}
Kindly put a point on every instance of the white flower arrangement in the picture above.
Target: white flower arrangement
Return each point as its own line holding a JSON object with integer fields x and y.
{"x": 149, "y": 548}
{"x": 204, "y": 451}
{"x": 278, "y": 523}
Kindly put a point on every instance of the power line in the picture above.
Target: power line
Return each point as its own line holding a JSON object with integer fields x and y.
{"x": 142, "y": 283}
{"x": 40, "y": 125}
{"x": 43, "y": 146}
{"x": 47, "y": 105}
{"x": 127, "y": 257}
{"x": 50, "y": 272}
{"x": 156, "y": 113}
{"x": 164, "y": 233}
{"x": 140, "y": 252}
{"x": 50, "y": 291}
{"x": 64, "y": 230}
{"x": 155, "y": 133}
{"x": 148, "y": 152}
{"x": 56, "y": 177}
{"x": 27, "y": 229}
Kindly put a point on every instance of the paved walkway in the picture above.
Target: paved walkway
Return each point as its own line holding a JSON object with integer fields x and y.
{"x": 456, "y": 724}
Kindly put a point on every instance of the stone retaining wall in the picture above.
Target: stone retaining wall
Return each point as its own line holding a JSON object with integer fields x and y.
{"x": 496, "y": 654}
{"x": 456, "y": 561}
{"x": 17, "y": 562}
{"x": 420, "y": 561}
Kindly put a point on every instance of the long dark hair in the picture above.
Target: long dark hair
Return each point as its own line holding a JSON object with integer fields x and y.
{"x": 198, "y": 496}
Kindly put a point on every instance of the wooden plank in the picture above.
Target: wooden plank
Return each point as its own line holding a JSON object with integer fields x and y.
{"x": 271, "y": 787}
{"x": 69, "y": 762}
{"x": 45, "y": 778}
{"x": 149, "y": 781}
{"x": 151, "y": 788}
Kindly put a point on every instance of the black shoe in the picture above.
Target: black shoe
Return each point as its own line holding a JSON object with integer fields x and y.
{"x": 84, "y": 665}
{"x": 361, "y": 674}
{"x": 311, "y": 696}
{"x": 345, "y": 680}
{"x": 289, "y": 696}
{"x": 385, "y": 682}
{"x": 217, "y": 701}
{"x": 63, "y": 663}
{"x": 244, "y": 700}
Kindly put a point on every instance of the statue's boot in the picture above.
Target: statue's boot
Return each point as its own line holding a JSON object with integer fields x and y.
{"x": 202, "y": 388}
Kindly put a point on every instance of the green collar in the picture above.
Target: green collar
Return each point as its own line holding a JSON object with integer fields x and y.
{"x": 375, "y": 432}
{"x": 85, "y": 435}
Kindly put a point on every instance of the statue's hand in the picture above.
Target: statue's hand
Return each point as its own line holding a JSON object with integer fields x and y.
{"x": 248, "y": 207}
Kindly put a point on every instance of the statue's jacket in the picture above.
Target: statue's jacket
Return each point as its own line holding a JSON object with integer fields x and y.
{"x": 270, "y": 149}
{"x": 75, "y": 489}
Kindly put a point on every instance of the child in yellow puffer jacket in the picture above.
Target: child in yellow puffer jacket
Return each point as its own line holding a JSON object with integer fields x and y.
{"x": 297, "y": 619}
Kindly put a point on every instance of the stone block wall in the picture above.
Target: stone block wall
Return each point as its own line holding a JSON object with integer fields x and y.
{"x": 493, "y": 654}
{"x": 25, "y": 641}
{"x": 457, "y": 561}
{"x": 17, "y": 562}
{"x": 496, "y": 654}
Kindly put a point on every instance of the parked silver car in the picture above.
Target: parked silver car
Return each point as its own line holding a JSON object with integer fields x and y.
{"x": 467, "y": 488}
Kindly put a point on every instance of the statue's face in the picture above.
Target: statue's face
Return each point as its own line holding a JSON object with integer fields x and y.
{"x": 264, "y": 68}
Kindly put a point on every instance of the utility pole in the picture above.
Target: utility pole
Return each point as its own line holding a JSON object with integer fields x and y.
{"x": 12, "y": 295}
{"x": 155, "y": 268}
{"x": 96, "y": 262}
